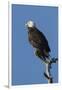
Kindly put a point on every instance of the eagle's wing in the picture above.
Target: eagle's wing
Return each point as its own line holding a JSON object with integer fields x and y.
{"x": 38, "y": 40}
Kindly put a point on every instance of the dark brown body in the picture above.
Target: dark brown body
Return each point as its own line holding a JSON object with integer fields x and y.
{"x": 38, "y": 41}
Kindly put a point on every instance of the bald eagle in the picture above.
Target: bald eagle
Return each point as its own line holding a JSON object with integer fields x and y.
{"x": 38, "y": 40}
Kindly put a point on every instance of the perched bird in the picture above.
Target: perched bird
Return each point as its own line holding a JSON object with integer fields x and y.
{"x": 37, "y": 40}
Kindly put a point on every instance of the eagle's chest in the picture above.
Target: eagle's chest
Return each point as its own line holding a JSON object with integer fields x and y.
{"x": 34, "y": 39}
{"x": 33, "y": 35}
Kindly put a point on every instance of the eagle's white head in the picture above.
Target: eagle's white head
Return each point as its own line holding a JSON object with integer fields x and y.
{"x": 30, "y": 24}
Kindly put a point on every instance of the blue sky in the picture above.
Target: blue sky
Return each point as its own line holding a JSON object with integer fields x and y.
{"x": 26, "y": 67}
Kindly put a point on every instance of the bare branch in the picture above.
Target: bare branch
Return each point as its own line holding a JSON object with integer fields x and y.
{"x": 47, "y": 73}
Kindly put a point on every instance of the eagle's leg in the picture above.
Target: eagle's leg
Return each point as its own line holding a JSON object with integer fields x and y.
{"x": 41, "y": 55}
